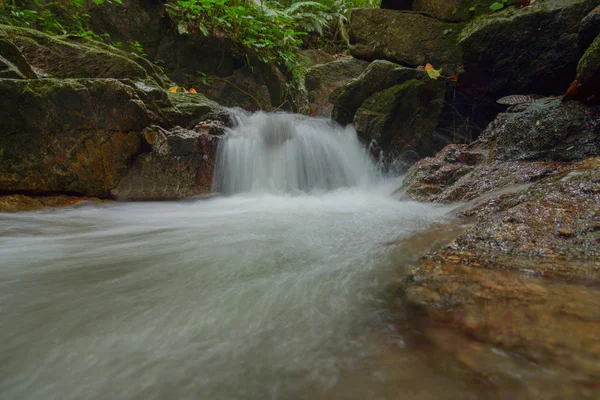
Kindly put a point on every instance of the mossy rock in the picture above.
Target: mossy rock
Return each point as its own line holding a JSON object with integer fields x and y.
{"x": 13, "y": 63}
{"x": 589, "y": 29}
{"x": 81, "y": 136}
{"x": 402, "y": 119}
{"x": 407, "y": 38}
{"x": 379, "y": 75}
{"x": 521, "y": 51}
{"x": 76, "y": 57}
{"x": 588, "y": 71}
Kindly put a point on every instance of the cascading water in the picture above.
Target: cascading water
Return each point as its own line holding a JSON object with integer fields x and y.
{"x": 290, "y": 153}
{"x": 253, "y": 296}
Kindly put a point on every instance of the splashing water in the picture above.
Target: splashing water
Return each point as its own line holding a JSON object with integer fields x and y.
{"x": 285, "y": 153}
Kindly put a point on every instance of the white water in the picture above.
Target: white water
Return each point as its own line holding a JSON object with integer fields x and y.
{"x": 254, "y": 296}
{"x": 286, "y": 153}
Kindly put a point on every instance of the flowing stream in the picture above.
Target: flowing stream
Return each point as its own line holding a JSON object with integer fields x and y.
{"x": 276, "y": 291}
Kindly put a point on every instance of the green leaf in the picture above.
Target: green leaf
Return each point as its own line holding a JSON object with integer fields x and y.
{"x": 204, "y": 29}
{"x": 497, "y": 6}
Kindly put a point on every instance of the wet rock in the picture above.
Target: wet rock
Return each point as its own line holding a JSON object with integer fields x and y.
{"x": 379, "y": 75}
{"x": 516, "y": 149}
{"x": 322, "y": 79}
{"x": 538, "y": 51}
{"x": 429, "y": 177}
{"x": 402, "y": 119}
{"x": 516, "y": 294}
{"x": 589, "y": 28}
{"x": 547, "y": 130}
{"x": 20, "y": 203}
{"x": 180, "y": 164}
{"x": 407, "y": 38}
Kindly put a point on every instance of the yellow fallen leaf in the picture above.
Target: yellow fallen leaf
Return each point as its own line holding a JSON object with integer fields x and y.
{"x": 432, "y": 72}
{"x": 173, "y": 89}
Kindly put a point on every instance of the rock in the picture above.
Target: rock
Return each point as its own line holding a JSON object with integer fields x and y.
{"x": 516, "y": 149}
{"x": 322, "y": 79}
{"x": 407, "y": 38}
{"x": 528, "y": 50}
{"x": 588, "y": 72}
{"x": 402, "y": 119}
{"x": 69, "y": 136}
{"x": 397, "y": 4}
{"x": 181, "y": 164}
{"x": 316, "y": 57}
{"x": 20, "y": 203}
{"x": 589, "y": 28}
{"x": 77, "y": 57}
{"x": 379, "y": 75}
{"x": 243, "y": 89}
{"x": 452, "y": 10}
{"x": 12, "y": 63}
{"x": 134, "y": 20}
{"x": 80, "y": 136}
{"x": 515, "y": 295}
{"x": 547, "y": 130}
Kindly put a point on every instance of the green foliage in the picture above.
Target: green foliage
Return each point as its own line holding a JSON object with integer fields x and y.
{"x": 54, "y": 17}
{"x": 268, "y": 29}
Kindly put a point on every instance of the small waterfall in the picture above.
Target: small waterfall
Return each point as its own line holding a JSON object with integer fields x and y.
{"x": 290, "y": 153}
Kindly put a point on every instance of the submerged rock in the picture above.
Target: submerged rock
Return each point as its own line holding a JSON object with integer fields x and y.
{"x": 407, "y": 38}
{"x": 322, "y": 79}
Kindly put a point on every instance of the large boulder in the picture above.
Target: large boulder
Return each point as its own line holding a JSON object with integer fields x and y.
{"x": 68, "y": 136}
{"x": 81, "y": 136}
{"x": 407, "y": 38}
{"x": 402, "y": 119}
{"x": 518, "y": 148}
{"x": 546, "y": 130}
{"x": 322, "y": 79}
{"x": 589, "y": 29}
{"x": 528, "y": 50}
{"x": 379, "y": 75}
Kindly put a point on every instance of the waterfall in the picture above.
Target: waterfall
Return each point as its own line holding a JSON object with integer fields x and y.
{"x": 290, "y": 153}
